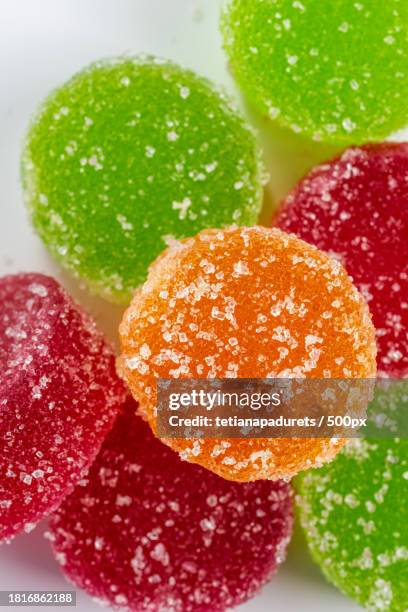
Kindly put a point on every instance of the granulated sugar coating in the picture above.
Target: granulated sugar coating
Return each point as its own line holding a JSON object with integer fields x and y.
{"x": 59, "y": 395}
{"x": 354, "y": 516}
{"x": 149, "y": 532}
{"x": 246, "y": 303}
{"x": 129, "y": 154}
{"x": 356, "y": 208}
{"x": 337, "y": 73}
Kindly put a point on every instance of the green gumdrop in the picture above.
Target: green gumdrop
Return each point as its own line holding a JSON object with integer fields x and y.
{"x": 336, "y": 71}
{"x": 128, "y": 155}
{"x": 353, "y": 512}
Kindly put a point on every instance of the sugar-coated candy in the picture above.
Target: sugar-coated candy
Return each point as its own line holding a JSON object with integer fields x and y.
{"x": 354, "y": 516}
{"x": 150, "y": 532}
{"x": 356, "y": 208}
{"x": 335, "y": 71}
{"x": 59, "y": 396}
{"x": 246, "y": 303}
{"x": 129, "y": 154}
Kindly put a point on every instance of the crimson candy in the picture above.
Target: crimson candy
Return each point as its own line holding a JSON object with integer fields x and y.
{"x": 150, "y": 532}
{"x": 59, "y": 395}
{"x": 355, "y": 207}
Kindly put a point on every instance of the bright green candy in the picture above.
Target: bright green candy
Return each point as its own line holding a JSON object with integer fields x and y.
{"x": 354, "y": 513}
{"x": 128, "y": 155}
{"x": 336, "y": 70}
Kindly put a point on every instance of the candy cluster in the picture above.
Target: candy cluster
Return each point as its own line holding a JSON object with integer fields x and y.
{"x": 144, "y": 180}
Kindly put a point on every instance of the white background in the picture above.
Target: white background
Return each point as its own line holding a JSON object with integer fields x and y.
{"x": 42, "y": 43}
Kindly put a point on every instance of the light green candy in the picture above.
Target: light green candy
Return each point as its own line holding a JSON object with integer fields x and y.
{"x": 354, "y": 513}
{"x": 128, "y": 155}
{"x": 336, "y": 70}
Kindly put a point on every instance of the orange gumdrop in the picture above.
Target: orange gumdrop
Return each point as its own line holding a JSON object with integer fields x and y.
{"x": 246, "y": 303}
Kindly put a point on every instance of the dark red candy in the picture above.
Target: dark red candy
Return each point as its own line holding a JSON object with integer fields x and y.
{"x": 356, "y": 208}
{"x": 59, "y": 395}
{"x": 149, "y": 532}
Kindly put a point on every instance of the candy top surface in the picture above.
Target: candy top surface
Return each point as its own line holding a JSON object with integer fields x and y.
{"x": 336, "y": 71}
{"x": 129, "y": 154}
{"x": 169, "y": 536}
{"x": 59, "y": 395}
{"x": 245, "y": 303}
{"x": 356, "y": 208}
{"x": 353, "y": 512}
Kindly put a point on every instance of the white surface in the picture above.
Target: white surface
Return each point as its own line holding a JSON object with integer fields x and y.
{"x": 42, "y": 43}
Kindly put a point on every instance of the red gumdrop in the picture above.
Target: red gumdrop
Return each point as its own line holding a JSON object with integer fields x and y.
{"x": 355, "y": 207}
{"x": 59, "y": 396}
{"x": 150, "y": 532}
